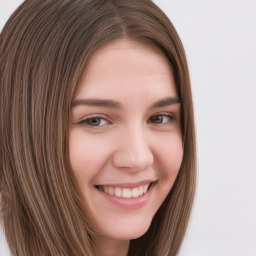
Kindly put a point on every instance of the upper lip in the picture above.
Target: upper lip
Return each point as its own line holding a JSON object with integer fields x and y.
{"x": 128, "y": 184}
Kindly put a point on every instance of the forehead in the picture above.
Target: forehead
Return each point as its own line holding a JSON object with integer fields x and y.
{"x": 124, "y": 66}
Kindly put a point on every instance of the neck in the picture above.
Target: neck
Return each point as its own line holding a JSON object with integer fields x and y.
{"x": 111, "y": 247}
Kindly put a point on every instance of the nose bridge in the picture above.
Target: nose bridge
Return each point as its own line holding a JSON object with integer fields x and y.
{"x": 133, "y": 149}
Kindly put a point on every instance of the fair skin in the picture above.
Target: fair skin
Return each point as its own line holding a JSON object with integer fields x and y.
{"x": 125, "y": 141}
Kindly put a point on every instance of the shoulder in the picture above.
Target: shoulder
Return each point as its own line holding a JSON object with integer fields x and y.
{"x": 4, "y": 251}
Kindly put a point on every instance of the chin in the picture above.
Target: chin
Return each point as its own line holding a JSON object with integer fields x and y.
{"x": 133, "y": 234}
{"x": 127, "y": 230}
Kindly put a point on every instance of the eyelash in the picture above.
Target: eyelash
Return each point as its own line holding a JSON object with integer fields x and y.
{"x": 162, "y": 116}
{"x": 96, "y": 118}
{"x": 93, "y": 118}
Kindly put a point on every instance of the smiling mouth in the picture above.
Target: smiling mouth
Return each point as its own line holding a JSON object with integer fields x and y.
{"x": 126, "y": 192}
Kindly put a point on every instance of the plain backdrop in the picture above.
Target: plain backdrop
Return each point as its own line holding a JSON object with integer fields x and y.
{"x": 219, "y": 37}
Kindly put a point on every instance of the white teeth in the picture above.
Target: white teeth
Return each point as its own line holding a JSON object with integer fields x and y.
{"x": 118, "y": 192}
{"x": 141, "y": 191}
{"x": 145, "y": 188}
{"x": 125, "y": 192}
{"x": 111, "y": 190}
{"x": 135, "y": 192}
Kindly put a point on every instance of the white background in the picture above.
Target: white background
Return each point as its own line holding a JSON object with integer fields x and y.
{"x": 220, "y": 40}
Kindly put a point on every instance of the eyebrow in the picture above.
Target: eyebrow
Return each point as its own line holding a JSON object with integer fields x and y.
{"x": 116, "y": 105}
{"x": 97, "y": 103}
{"x": 166, "y": 102}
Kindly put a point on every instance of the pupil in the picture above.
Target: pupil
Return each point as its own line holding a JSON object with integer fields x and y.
{"x": 94, "y": 121}
{"x": 158, "y": 119}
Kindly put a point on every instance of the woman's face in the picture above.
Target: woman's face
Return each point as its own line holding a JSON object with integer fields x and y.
{"x": 125, "y": 140}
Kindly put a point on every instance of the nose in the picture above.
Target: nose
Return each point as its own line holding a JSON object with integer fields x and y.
{"x": 133, "y": 150}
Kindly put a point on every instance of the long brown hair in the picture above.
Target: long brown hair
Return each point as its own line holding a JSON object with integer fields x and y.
{"x": 44, "y": 47}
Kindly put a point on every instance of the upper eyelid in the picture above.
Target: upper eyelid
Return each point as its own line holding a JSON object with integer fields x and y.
{"x": 93, "y": 116}
{"x": 171, "y": 116}
{"x": 103, "y": 116}
{"x": 164, "y": 113}
{"x": 98, "y": 115}
{"x": 84, "y": 122}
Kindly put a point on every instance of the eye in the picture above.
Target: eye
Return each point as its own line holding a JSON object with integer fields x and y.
{"x": 94, "y": 121}
{"x": 161, "y": 119}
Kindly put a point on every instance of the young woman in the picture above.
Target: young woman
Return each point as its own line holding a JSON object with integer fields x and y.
{"x": 97, "y": 130}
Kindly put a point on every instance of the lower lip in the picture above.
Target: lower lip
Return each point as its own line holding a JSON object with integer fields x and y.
{"x": 129, "y": 203}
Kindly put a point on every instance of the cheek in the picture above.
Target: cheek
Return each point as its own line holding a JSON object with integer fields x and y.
{"x": 170, "y": 156}
{"x": 87, "y": 155}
